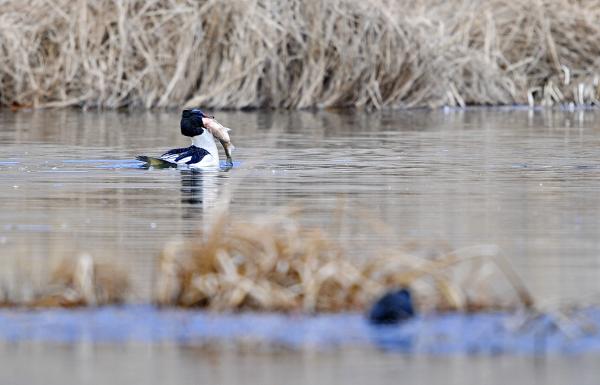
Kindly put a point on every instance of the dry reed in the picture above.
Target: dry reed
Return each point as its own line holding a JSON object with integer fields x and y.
{"x": 275, "y": 264}
{"x": 298, "y": 54}
{"x": 76, "y": 282}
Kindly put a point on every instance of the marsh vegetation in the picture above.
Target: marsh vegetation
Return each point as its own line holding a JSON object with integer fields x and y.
{"x": 298, "y": 54}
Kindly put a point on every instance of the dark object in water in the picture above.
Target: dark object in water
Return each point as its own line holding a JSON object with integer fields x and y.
{"x": 393, "y": 307}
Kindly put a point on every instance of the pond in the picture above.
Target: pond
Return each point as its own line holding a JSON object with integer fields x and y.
{"x": 526, "y": 181}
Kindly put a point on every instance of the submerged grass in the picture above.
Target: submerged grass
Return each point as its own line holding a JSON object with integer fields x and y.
{"x": 298, "y": 54}
{"x": 276, "y": 264}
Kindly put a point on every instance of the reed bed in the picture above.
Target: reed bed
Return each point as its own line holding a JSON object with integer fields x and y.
{"x": 276, "y": 264}
{"x": 74, "y": 282}
{"x": 298, "y": 53}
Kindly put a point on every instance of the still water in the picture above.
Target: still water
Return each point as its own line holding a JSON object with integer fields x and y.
{"x": 33, "y": 364}
{"x": 526, "y": 181}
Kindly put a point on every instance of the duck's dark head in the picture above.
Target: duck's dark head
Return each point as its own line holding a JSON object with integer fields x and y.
{"x": 191, "y": 122}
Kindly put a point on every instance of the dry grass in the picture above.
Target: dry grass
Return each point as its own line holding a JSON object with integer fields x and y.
{"x": 298, "y": 53}
{"x": 74, "y": 282}
{"x": 275, "y": 264}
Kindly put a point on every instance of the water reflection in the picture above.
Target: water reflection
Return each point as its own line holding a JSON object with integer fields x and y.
{"x": 199, "y": 193}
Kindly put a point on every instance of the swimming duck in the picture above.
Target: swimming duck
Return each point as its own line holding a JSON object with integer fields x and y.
{"x": 203, "y": 153}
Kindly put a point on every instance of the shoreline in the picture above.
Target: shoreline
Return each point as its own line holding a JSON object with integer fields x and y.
{"x": 570, "y": 107}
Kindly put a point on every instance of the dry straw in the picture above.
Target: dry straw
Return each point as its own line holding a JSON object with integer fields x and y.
{"x": 74, "y": 282}
{"x": 276, "y": 264}
{"x": 298, "y": 53}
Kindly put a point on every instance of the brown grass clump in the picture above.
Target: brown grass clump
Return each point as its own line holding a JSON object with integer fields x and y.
{"x": 275, "y": 264}
{"x": 298, "y": 53}
{"x": 78, "y": 282}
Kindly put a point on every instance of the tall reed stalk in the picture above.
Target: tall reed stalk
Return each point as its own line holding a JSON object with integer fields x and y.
{"x": 297, "y": 53}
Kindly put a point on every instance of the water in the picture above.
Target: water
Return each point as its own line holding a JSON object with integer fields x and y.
{"x": 168, "y": 365}
{"x": 450, "y": 334}
{"x": 527, "y": 181}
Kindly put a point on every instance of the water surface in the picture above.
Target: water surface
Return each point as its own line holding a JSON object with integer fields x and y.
{"x": 527, "y": 181}
{"x": 135, "y": 364}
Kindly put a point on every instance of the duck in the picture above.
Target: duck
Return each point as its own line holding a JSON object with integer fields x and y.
{"x": 203, "y": 153}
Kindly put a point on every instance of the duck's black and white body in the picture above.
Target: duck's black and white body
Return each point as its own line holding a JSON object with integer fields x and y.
{"x": 203, "y": 152}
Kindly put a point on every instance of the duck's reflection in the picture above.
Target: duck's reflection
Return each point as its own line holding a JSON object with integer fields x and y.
{"x": 199, "y": 193}
{"x": 200, "y": 196}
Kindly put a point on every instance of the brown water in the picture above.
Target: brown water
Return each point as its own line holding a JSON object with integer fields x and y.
{"x": 526, "y": 181}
